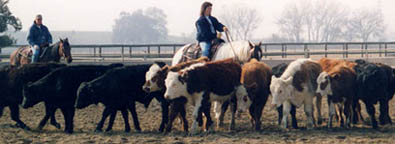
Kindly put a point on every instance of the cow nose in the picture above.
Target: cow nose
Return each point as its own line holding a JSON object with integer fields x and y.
{"x": 146, "y": 89}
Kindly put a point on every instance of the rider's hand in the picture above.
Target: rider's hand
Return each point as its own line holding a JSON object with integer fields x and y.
{"x": 225, "y": 29}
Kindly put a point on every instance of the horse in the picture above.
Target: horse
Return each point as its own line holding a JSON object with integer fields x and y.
{"x": 242, "y": 50}
{"x": 53, "y": 53}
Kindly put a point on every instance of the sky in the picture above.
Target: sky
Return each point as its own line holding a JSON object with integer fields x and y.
{"x": 100, "y": 15}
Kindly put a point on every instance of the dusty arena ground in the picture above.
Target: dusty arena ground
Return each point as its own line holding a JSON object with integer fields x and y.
{"x": 86, "y": 119}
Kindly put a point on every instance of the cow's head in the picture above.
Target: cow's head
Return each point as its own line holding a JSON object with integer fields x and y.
{"x": 281, "y": 90}
{"x": 155, "y": 78}
{"x": 243, "y": 101}
{"x": 32, "y": 94}
{"x": 85, "y": 96}
{"x": 176, "y": 86}
{"x": 324, "y": 84}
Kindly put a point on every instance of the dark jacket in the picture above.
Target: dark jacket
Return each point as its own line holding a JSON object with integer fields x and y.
{"x": 39, "y": 36}
{"x": 204, "y": 33}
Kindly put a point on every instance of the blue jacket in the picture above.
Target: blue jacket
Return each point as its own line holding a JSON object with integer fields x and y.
{"x": 204, "y": 33}
{"x": 38, "y": 36}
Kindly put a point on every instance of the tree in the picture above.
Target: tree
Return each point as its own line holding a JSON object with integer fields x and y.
{"x": 365, "y": 24}
{"x": 241, "y": 21}
{"x": 7, "y": 19}
{"x": 148, "y": 26}
{"x": 291, "y": 23}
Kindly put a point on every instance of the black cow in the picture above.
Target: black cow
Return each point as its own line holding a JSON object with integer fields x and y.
{"x": 119, "y": 89}
{"x": 375, "y": 83}
{"x": 58, "y": 89}
{"x": 12, "y": 80}
{"x": 277, "y": 71}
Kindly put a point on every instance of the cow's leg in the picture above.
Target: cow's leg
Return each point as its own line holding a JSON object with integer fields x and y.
{"x": 341, "y": 111}
{"x": 15, "y": 116}
{"x": 113, "y": 115}
{"x": 252, "y": 114}
{"x": 184, "y": 119}
{"x": 384, "y": 116}
{"x": 332, "y": 112}
{"x": 68, "y": 114}
{"x": 318, "y": 106}
{"x": 258, "y": 114}
{"x": 195, "y": 113}
{"x": 348, "y": 112}
{"x": 286, "y": 109}
{"x": 309, "y": 111}
{"x": 1, "y": 110}
{"x": 126, "y": 119}
{"x": 105, "y": 114}
{"x": 293, "y": 116}
{"x": 371, "y": 111}
{"x": 280, "y": 114}
{"x": 165, "y": 112}
{"x": 54, "y": 122}
{"x": 206, "y": 110}
{"x": 49, "y": 113}
{"x": 220, "y": 112}
{"x": 172, "y": 116}
{"x": 233, "y": 108}
{"x": 136, "y": 123}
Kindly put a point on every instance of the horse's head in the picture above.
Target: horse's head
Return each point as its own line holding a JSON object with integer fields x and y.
{"x": 255, "y": 51}
{"x": 65, "y": 50}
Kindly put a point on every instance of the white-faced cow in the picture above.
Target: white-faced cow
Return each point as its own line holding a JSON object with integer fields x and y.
{"x": 297, "y": 85}
{"x": 338, "y": 83}
{"x": 203, "y": 83}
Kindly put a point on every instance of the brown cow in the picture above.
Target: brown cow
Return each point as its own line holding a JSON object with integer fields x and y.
{"x": 256, "y": 76}
{"x": 339, "y": 85}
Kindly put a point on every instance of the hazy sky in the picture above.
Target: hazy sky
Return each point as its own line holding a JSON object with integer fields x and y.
{"x": 99, "y": 15}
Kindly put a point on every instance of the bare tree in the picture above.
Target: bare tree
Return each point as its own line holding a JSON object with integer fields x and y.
{"x": 365, "y": 24}
{"x": 240, "y": 20}
{"x": 291, "y": 23}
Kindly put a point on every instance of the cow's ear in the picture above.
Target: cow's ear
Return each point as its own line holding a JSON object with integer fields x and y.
{"x": 274, "y": 77}
{"x": 289, "y": 80}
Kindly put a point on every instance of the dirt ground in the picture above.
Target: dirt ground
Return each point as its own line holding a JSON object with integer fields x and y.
{"x": 86, "y": 119}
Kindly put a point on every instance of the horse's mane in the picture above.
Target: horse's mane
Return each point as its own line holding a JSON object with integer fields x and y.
{"x": 51, "y": 51}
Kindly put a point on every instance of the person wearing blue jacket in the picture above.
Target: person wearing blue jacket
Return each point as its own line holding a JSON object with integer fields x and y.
{"x": 207, "y": 27}
{"x": 38, "y": 37}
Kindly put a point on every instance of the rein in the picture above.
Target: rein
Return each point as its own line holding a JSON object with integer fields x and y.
{"x": 230, "y": 39}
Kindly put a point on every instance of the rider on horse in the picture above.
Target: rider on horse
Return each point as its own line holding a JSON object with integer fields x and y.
{"x": 206, "y": 28}
{"x": 38, "y": 37}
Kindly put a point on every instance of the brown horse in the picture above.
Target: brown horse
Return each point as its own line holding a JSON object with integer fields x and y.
{"x": 53, "y": 53}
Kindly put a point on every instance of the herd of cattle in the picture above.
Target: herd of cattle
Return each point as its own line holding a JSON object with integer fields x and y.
{"x": 243, "y": 87}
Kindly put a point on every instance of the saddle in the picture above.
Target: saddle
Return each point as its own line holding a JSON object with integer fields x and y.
{"x": 194, "y": 51}
{"x": 27, "y": 52}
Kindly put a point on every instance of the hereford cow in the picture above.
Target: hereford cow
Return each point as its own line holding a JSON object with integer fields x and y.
{"x": 120, "y": 89}
{"x": 339, "y": 85}
{"x": 12, "y": 80}
{"x": 277, "y": 71}
{"x": 375, "y": 84}
{"x": 297, "y": 85}
{"x": 203, "y": 83}
{"x": 58, "y": 89}
{"x": 155, "y": 79}
{"x": 256, "y": 76}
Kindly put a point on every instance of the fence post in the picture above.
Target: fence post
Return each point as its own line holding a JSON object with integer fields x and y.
{"x": 265, "y": 51}
{"x": 282, "y": 51}
{"x": 343, "y": 48}
{"x": 366, "y": 50}
{"x": 361, "y": 50}
{"x": 306, "y": 51}
{"x": 149, "y": 51}
{"x": 130, "y": 52}
{"x": 346, "y": 50}
{"x": 122, "y": 53}
{"x": 385, "y": 49}
{"x": 379, "y": 50}
{"x": 285, "y": 51}
{"x": 94, "y": 54}
{"x": 159, "y": 51}
{"x": 326, "y": 49}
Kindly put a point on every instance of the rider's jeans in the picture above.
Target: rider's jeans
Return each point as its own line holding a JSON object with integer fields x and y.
{"x": 36, "y": 53}
{"x": 205, "y": 48}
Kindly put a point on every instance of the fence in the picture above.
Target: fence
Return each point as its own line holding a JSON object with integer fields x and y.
{"x": 111, "y": 52}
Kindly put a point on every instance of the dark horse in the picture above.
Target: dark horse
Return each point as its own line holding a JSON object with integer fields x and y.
{"x": 53, "y": 53}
